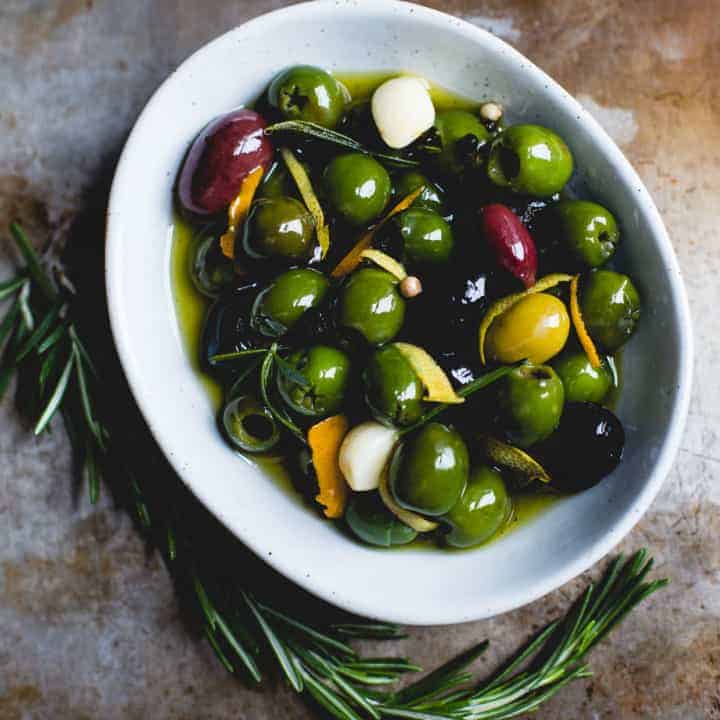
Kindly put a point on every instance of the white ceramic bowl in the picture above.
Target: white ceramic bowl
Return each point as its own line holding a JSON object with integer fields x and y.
{"x": 413, "y": 586}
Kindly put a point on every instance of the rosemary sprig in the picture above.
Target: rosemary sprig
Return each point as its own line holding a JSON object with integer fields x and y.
{"x": 41, "y": 339}
{"x": 313, "y": 131}
{"x": 38, "y": 336}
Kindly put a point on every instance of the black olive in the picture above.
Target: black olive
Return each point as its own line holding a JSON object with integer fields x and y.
{"x": 227, "y": 326}
{"x": 586, "y": 447}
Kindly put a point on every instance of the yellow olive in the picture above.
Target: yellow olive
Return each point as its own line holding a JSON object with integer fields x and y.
{"x": 534, "y": 329}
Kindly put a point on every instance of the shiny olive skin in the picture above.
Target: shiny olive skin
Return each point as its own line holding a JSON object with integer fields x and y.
{"x": 427, "y": 236}
{"x": 431, "y": 197}
{"x": 530, "y": 159}
{"x": 326, "y": 370}
{"x": 373, "y": 523}
{"x": 283, "y": 302}
{"x": 588, "y": 231}
{"x": 610, "y": 306}
{"x": 582, "y": 382}
{"x": 371, "y": 304}
{"x": 482, "y": 510}
{"x": 308, "y": 93}
{"x": 357, "y": 187}
{"x": 249, "y": 425}
{"x": 393, "y": 391}
{"x": 276, "y": 182}
{"x": 531, "y": 400}
{"x": 209, "y": 268}
{"x": 587, "y": 446}
{"x": 454, "y": 125}
{"x": 535, "y": 329}
{"x": 221, "y": 156}
{"x": 280, "y": 228}
{"x": 428, "y": 472}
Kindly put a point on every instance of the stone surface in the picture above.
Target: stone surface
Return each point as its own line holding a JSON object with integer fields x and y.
{"x": 90, "y": 624}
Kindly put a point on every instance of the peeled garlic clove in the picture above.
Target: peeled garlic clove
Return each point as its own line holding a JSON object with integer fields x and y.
{"x": 402, "y": 110}
{"x": 364, "y": 453}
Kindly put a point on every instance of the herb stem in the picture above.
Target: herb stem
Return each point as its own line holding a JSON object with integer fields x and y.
{"x": 465, "y": 391}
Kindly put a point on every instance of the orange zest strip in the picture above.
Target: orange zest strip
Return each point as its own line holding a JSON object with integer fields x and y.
{"x": 325, "y": 439}
{"x": 354, "y": 257}
{"x": 583, "y": 335}
{"x": 238, "y": 210}
{"x": 304, "y": 186}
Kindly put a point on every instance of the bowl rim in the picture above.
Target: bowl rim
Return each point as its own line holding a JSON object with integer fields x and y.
{"x": 663, "y": 462}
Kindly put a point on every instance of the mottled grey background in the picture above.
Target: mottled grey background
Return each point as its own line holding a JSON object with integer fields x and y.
{"x": 89, "y": 626}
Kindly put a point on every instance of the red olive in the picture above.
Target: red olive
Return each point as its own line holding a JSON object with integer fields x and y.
{"x": 227, "y": 150}
{"x": 511, "y": 243}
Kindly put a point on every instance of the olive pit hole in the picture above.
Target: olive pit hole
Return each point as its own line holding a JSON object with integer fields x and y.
{"x": 296, "y": 100}
{"x": 258, "y": 426}
{"x": 509, "y": 163}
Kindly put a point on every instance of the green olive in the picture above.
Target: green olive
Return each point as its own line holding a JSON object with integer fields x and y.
{"x": 482, "y": 510}
{"x": 393, "y": 391}
{"x": 277, "y": 182}
{"x": 453, "y": 126}
{"x": 427, "y": 236}
{"x": 582, "y": 382}
{"x": 533, "y": 329}
{"x": 428, "y": 473}
{"x": 279, "y": 227}
{"x": 431, "y": 197}
{"x": 319, "y": 382}
{"x": 530, "y": 159}
{"x": 249, "y": 425}
{"x": 357, "y": 187}
{"x": 278, "y": 307}
{"x": 308, "y": 93}
{"x": 371, "y": 304}
{"x": 610, "y": 307}
{"x": 531, "y": 402}
{"x": 373, "y": 523}
{"x": 587, "y": 230}
{"x": 209, "y": 268}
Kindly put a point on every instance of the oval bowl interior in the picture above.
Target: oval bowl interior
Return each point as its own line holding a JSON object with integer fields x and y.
{"x": 412, "y": 586}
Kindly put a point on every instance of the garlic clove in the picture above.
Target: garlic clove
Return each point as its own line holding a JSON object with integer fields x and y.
{"x": 403, "y": 110}
{"x": 364, "y": 453}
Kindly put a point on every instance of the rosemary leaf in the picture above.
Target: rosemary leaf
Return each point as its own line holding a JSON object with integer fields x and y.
{"x": 86, "y": 402}
{"x": 210, "y": 635}
{"x": 276, "y": 645}
{"x": 51, "y": 339}
{"x": 38, "y": 275}
{"x": 370, "y": 631}
{"x": 318, "y": 637}
{"x": 38, "y": 334}
{"x": 325, "y": 697}
{"x": 57, "y": 396}
{"x": 9, "y": 287}
{"x": 240, "y": 650}
{"x": 445, "y": 677}
{"x": 224, "y": 357}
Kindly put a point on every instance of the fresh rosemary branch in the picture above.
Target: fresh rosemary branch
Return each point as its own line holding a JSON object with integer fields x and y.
{"x": 41, "y": 341}
{"x": 240, "y": 615}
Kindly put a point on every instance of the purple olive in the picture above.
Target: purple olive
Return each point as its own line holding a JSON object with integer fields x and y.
{"x": 510, "y": 241}
{"x": 227, "y": 150}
